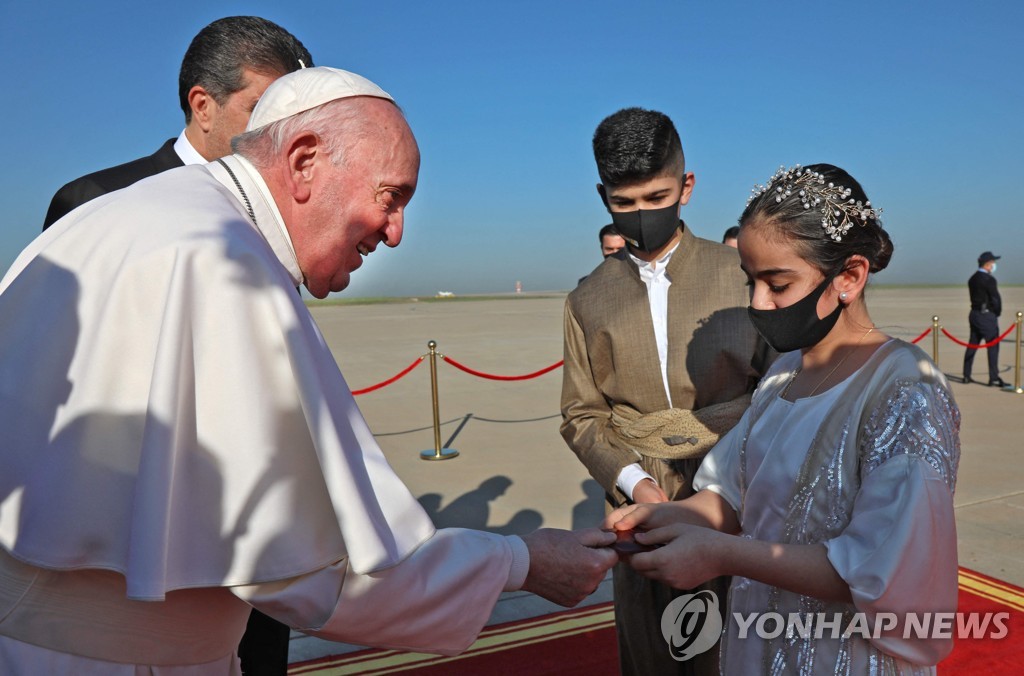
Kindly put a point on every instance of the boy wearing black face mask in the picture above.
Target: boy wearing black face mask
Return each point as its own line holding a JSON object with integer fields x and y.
{"x": 658, "y": 339}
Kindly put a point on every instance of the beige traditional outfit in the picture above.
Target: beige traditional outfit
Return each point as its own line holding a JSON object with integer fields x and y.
{"x": 867, "y": 469}
{"x": 714, "y": 357}
{"x": 179, "y": 442}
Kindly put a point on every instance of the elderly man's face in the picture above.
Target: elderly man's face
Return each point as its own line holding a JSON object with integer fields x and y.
{"x": 361, "y": 203}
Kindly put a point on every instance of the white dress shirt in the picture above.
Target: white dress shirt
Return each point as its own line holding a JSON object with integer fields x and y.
{"x": 186, "y": 151}
{"x": 655, "y": 277}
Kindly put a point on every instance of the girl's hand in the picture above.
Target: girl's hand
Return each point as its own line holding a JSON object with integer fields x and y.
{"x": 644, "y": 516}
{"x": 688, "y": 556}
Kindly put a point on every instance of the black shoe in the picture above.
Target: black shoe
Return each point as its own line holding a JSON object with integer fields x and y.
{"x": 968, "y": 380}
{"x": 997, "y": 382}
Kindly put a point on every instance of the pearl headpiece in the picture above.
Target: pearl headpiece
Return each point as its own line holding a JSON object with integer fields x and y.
{"x": 839, "y": 212}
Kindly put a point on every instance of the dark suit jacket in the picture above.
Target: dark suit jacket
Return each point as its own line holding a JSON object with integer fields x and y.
{"x": 985, "y": 293}
{"x": 91, "y": 186}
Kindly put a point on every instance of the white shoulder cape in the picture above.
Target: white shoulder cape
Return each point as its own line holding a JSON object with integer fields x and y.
{"x": 169, "y": 408}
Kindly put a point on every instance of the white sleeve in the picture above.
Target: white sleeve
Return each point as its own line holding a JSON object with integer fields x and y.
{"x": 898, "y": 553}
{"x": 436, "y": 600}
{"x": 719, "y": 472}
{"x": 630, "y": 476}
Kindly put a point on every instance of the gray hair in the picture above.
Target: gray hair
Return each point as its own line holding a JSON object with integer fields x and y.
{"x": 339, "y": 124}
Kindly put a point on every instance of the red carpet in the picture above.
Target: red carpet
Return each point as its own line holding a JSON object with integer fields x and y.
{"x": 992, "y": 657}
{"x": 582, "y": 642}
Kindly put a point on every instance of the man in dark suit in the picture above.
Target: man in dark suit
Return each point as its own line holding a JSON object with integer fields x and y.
{"x": 226, "y": 68}
{"x": 986, "y": 306}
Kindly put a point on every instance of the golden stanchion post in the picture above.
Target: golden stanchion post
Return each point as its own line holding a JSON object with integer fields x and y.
{"x": 438, "y": 453}
{"x": 1016, "y": 376}
{"x": 935, "y": 339}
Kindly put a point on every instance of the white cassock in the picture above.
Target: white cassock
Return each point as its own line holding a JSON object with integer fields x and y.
{"x": 178, "y": 438}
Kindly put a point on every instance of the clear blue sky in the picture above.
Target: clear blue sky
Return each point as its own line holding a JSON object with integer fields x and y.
{"x": 922, "y": 102}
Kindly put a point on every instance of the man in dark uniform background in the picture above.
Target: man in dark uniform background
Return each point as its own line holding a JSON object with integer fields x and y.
{"x": 986, "y": 306}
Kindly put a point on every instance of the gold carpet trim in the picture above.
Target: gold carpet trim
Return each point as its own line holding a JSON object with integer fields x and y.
{"x": 993, "y": 590}
{"x": 490, "y": 640}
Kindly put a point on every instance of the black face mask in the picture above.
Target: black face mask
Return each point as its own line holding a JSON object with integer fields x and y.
{"x": 796, "y": 326}
{"x": 647, "y": 229}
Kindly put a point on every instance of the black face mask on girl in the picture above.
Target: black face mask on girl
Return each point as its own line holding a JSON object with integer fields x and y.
{"x": 796, "y": 326}
{"x": 647, "y": 229}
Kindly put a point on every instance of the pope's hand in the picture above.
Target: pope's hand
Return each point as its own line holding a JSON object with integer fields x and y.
{"x": 567, "y": 566}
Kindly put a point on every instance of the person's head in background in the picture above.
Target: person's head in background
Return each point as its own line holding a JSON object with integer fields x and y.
{"x": 611, "y": 240}
{"x": 225, "y": 70}
{"x": 729, "y": 238}
{"x": 987, "y": 261}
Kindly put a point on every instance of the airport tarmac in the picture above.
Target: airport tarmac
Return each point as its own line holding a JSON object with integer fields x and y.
{"x": 514, "y": 473}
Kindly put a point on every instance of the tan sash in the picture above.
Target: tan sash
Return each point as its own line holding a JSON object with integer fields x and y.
{"x": 677, "y": 433}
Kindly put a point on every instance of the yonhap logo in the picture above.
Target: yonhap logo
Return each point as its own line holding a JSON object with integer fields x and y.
{"x": 691, "y": 624}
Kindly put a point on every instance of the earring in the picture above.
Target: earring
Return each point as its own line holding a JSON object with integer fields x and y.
{"x": 842, "y": 296}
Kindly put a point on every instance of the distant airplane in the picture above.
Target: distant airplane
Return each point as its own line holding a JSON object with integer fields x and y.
{"x": 445, "y": 294}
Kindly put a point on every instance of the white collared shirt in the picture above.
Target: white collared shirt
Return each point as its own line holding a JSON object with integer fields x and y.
{"x": 186, "y": 151}
{"x": 655, "y": 276}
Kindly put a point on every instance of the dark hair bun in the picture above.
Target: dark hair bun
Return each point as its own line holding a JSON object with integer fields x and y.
{"x": 884, "y": 251}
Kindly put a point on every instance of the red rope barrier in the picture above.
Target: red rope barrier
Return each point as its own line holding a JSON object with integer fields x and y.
{"x": 480, "y": 374}
{"x": 917, "y": 340}
{"x": 978, "y": 347}
{"x": 371, "y": 388}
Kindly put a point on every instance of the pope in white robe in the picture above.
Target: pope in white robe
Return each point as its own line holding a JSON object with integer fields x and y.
{"x": 179, "y": 443}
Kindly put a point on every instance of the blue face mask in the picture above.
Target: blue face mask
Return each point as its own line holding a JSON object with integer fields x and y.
{"x": 994, "y": 266}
